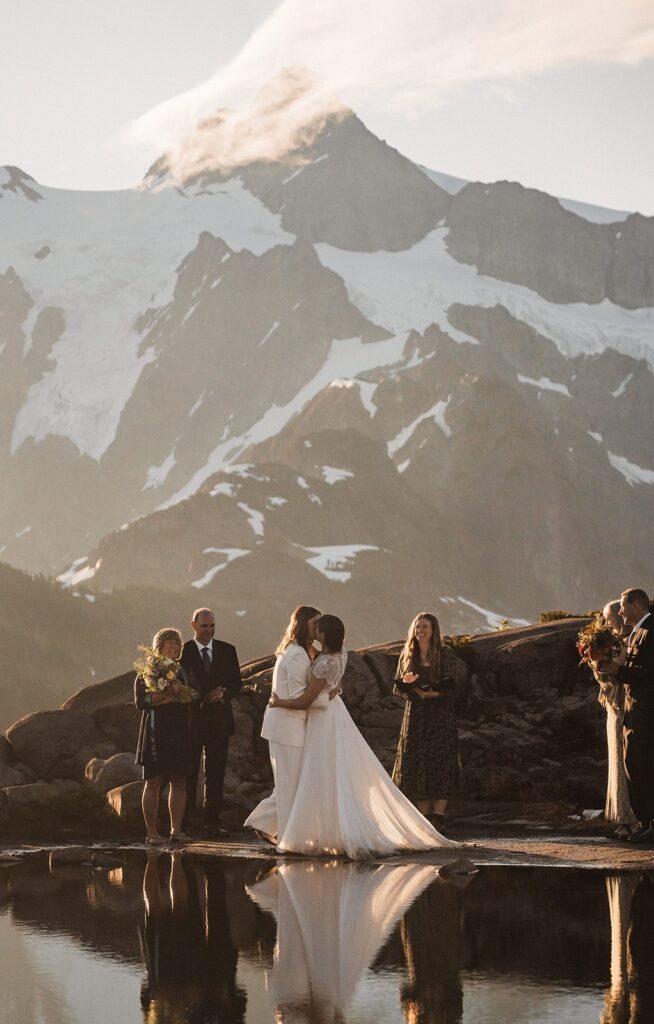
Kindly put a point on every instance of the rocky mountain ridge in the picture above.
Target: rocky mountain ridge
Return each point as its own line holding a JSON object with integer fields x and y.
{"x": 329, "y": 377}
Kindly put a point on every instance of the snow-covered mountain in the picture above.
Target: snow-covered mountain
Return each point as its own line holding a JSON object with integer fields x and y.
{"x": 335, "y": 377}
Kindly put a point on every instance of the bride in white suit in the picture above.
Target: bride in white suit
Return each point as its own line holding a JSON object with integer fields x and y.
{"x": 345, "y": 802}
{"x": 285, "y": 728}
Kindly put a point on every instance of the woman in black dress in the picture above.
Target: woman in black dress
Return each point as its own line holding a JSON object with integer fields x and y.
{"x": 167, "y": 739}
{"x": 427, "y": 761}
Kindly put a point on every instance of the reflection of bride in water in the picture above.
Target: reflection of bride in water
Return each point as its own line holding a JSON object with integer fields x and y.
{"x": 332, "y": 920}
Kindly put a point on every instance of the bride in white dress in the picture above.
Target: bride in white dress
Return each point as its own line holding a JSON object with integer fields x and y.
{"x": 345, "y": 802}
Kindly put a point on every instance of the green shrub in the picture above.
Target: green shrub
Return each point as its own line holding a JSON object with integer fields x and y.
{"x": 458, "y": 641}
{"x": 557, "y": 613}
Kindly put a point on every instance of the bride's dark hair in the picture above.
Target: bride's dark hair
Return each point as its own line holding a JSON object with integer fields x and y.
{"x": 334, "y": 631}
{"x": 410, "y": 656}
{"x": 297, "y": 632}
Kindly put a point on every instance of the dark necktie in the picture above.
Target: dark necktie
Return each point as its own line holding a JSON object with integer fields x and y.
{"x": 206, "y": 660}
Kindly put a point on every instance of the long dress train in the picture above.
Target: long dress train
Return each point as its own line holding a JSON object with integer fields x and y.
{"x": 346, "y": 803}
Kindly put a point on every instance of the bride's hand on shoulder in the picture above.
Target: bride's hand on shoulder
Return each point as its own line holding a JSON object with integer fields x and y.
{"x": 410, "y": 678}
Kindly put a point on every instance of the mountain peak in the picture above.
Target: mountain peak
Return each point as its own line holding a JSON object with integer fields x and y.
{"x": 279, "y": 126}
{"x": 13, "y": 179}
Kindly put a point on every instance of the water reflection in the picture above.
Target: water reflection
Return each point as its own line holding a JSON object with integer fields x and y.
{"x": 187, "y": 946}
{"x": 174, "y": 940}
{"x": 431, "y": 940}
{"x": 332, "y": 920}
{"x": 630, "y": 999}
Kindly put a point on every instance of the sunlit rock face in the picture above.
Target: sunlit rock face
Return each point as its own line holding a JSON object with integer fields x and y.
{"x": 318, "y": 374}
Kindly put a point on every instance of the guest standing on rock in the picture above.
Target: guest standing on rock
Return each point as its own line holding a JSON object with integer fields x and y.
{"x": 166, "y": 746}
{"x": 215, "y": 666}
{"x": 635, "y": 668}
{"x": 617, "y": 808}
{"x": 427, "y": 762}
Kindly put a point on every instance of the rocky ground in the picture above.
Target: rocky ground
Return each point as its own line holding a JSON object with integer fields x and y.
{"x": 531, "y": 736}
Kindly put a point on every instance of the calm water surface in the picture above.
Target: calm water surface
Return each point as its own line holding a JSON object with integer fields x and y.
{"x": 169, "y": 940}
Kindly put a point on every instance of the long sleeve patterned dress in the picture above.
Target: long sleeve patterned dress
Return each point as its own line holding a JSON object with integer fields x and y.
{"x": 427, "y": 761}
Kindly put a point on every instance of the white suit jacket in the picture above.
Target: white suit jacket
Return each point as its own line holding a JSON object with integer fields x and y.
{"x": 287, "y": 726}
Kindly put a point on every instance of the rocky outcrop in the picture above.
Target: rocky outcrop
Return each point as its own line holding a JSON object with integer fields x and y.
{"x": 115, "y": 771}
{"x": 512, "y": 233}
{"x": 531, "y": 731}
{"x": 53, "y": 743}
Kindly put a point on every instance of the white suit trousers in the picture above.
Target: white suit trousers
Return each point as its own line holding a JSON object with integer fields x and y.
{"x": 271, "y": 815}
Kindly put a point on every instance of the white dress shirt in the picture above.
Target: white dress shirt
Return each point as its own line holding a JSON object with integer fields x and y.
{"x": 208, "y": 647}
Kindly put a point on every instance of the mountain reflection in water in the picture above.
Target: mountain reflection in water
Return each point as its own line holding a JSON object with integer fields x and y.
{"x": 170, "y": 939}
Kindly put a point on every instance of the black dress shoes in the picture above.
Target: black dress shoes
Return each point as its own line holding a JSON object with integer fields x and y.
{"x": 643, "y": 835}
{"x": 215, "y": 832}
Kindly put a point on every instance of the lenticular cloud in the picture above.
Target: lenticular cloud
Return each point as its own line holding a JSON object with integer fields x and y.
{"x": 403, "y": 55}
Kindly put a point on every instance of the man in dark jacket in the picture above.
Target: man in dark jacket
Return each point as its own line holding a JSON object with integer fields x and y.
{"x": 636, "y": 670}
{"x": 215, "y": 668}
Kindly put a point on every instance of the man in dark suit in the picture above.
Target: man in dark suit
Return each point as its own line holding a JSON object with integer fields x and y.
{"x": 635, "y": 669}
{"x": 214, "y": 666}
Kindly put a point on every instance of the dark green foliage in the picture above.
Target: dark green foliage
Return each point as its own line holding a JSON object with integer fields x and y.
{"x": 558, "y": 613}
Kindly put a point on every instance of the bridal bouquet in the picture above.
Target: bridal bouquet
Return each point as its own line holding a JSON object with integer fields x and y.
{"x": 161, "y": 674}
{"x": 597, "y": 643}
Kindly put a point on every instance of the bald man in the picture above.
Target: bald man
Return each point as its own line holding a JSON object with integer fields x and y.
{"x": 215, "y": 666}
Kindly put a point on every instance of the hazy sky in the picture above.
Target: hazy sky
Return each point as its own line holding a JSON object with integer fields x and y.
{"x": 556, "y": 95}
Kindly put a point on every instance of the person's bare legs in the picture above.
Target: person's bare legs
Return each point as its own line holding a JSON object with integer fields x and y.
{"x": 150, "y": 805}
{"x": 438, "y": 806}
{"x": 177, "y": 802}
{"x": 178, "y": 882}
{"x": 151, "y": 887}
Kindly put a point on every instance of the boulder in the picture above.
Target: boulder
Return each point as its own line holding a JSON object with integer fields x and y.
{"x": 73, "y": 767}
{"x": 358, "y": 680}
{"x": 118, "y": 690}
{"x": 70, "y": 855}
{"x": 382, "y": 664}
{"x": 119, "y": 723}
{"x": 48, "y": 737}
{"x": 7, "y": 753}
{"x": 25, "y": 771}
{"x": 125, "y": 801}
{"x": 11, "y": 777}
{"x": 31, "y": 796}
{"x": 114, "y": 772}
{"x": 67, "y": 786}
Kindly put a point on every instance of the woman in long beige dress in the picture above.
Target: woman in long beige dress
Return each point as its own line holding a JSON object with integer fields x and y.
{"x": 611, "y": 696}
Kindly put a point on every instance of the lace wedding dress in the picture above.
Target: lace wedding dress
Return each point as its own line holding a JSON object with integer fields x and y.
{"x": 346, "y": 803}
